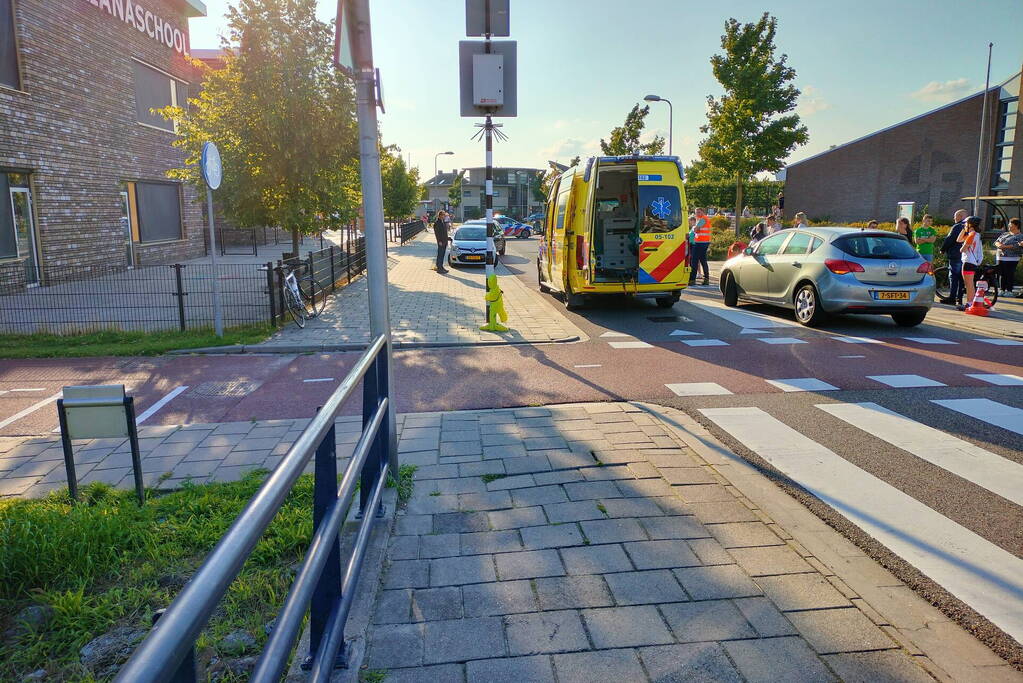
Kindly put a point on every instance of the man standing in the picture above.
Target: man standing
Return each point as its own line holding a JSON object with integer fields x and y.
{"x": 772, "y": 226}
{"x": 950, "y": 247}
{"x": 440, "y": 233}
{"x": 701, "y": 243}
{"x": 925, "y": 236}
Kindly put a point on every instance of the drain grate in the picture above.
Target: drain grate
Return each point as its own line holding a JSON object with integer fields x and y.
{"x": 234, "y": 389}
{"x": 669, "y": 319}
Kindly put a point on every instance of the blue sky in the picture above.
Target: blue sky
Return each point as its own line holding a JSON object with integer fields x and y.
{"x": 583, "y": 63}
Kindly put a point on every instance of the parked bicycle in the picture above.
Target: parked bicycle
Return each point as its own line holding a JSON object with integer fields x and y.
{"x": 303, "y": 298}
{"x": 943, "y": 288}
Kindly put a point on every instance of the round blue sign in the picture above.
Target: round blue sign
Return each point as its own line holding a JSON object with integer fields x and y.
{"x": 212, "y": 170}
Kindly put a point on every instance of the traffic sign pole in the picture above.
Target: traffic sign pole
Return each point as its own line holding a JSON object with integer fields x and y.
{"x": 212, "y": 173}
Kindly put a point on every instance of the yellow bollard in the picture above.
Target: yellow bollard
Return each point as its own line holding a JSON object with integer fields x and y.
{"x": 495, "y": 301}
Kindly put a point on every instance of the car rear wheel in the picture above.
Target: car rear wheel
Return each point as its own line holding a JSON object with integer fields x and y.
{"x": 525, "y": 234}
{"x": 731, "y": 291}
{"x": 908, "y": 319}
{"x": 666, "y": 301}
{"x": 573, "y": 301}
{"x": 808, "y": 306}
{"x": 501, "y": 250}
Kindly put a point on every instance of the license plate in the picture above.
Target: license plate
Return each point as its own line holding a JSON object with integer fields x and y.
{"x": 891, "y": 296}
{"x": 473, "y": 257}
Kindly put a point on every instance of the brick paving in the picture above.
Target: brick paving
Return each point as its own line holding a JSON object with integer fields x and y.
{"x": 430, "y": 308}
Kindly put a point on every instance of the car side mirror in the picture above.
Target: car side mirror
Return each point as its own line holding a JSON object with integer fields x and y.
{"x": 748, "y": 251}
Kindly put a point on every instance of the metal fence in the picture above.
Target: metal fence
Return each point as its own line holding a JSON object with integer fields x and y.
{"x": 410, "y": 230}
{"x": 167, "y": 297}
{"x": 322, "y": 586}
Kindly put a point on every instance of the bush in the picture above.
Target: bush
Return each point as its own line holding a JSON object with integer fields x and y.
{"x": 760, "y": 195}
{"x": 720, "y": 223}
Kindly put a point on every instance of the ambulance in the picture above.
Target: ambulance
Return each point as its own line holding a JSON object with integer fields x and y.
{"x": 617, "y": 226}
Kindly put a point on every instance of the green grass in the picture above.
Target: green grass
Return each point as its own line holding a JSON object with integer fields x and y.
{"x": 405, "y": 483}
{"x": 600, "y": 506}
{"x": 120, "y": 343}
{"x": 487, "y": 478}
{"x": 105, "y": 562}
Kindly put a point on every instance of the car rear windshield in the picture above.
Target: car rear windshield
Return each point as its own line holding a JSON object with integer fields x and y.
{"x": 876, "y": 246}
{"x": 472, "y": 234}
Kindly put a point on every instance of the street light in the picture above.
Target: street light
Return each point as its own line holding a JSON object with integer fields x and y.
{"x": 435, "y": 161}
{"x": 657, "y": 98}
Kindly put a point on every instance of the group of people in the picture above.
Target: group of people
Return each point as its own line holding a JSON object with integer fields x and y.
{"x": 965, "y": 252}
{"x": 771, "y": 225}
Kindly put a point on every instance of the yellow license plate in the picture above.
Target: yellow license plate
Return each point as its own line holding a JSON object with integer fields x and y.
{"x": 893, "y": 296}
{"x": 473, "y": 258}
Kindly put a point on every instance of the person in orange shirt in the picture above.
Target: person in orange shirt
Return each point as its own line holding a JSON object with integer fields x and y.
{"x": 701, "y": 243}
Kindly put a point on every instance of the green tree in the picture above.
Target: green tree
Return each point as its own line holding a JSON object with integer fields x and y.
{"x": 751, "y": 128}
{"x": 283, "y": 119}
{"x": 400, "y": 185}
{"x": 700, "y": 171}
{"x": 575, "y": 159}
{"x": 455, "y": 192}
{"x": 624, "y": 139}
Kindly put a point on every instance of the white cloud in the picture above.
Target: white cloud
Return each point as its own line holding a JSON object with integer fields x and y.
{"x": 810, "y": 102}
{"x": 565, "y": 149}
{"x": 941, "y": 92}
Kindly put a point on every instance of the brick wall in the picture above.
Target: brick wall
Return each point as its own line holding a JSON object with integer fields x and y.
{"x": 931, "y": 160}
{"x": 74, "y": 127}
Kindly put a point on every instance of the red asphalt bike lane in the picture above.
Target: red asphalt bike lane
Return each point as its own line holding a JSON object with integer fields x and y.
{"x": 261, "y": 387}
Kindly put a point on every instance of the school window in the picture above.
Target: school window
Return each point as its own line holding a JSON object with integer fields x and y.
{"x": 10, "y": 76}
{"x": 154, "y": 90}
{"x": 1005, "y": 135}
{"x": 157, "y": 207}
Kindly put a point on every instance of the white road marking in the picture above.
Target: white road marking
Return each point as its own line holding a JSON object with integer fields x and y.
{"x": 320, "y": 379}
{"x": 27, "y": 411}
{"x": 929, "y": 340}
{"x": 986, "y": 410}
{"x": 159, "y": 404}
{"x": 1001, "y": 342}
{"x": 984, "y": 468}
{"x": 852, "y": 356}
{"x": 748, "y": 330}
{"x": 905, "y": 381}
{"x": 684, "y": 333}
{"x": 802, "y": 384}
{"x": 27, "y": 390}
{"x": 629, "y": 345}
{"x": 698, "y": 389}
{"x": 704, "y": 342}
{"x": 742, "y": 318}
{"x": 592, "y": 365}
{"x": 615, "y": 334}
{"x": 1000, "y": 380}
{"x": 857, "y": 339}
{"x": 782, "y": 340}
{"x": 973, "y": 569}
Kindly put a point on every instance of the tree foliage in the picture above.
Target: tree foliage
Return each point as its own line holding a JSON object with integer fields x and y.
{"x": 400, "y": 185}
{"x": 455, "y": 192}
{"x": 283, "y": 119}
{"x": 624, "y": 139}
{"x": 701, "y": 171}
{"x": 752, "y": 127}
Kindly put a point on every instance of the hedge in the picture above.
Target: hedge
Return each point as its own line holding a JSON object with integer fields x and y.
{"x": 760, "y": 194}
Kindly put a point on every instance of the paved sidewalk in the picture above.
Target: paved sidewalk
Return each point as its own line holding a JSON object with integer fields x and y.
{"x": 428, "y": 309}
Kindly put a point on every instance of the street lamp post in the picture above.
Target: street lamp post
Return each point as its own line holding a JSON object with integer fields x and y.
{"x": 435, "y": 161}
{"x": 657, "y": 98}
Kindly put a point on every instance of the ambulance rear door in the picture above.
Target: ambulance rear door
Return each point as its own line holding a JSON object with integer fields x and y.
{"x": 662, "y": 230}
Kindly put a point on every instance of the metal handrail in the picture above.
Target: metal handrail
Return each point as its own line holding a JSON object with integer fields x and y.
{"x": 172, "y": 638}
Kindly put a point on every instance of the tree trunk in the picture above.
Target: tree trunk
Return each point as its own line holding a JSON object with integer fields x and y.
{"x": 294, "y": 241}
{"x": 738, "y": 205}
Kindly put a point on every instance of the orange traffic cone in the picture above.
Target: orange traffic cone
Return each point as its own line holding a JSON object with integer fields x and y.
{"x": 980, "y": 304}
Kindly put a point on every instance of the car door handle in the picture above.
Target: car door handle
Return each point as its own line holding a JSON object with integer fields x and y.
{"x": 797, "y": 264}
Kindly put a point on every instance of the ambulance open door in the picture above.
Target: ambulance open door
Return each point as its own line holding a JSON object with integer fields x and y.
{"x": 662, "y": 230}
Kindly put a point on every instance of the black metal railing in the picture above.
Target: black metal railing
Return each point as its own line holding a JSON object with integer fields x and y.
{"x": 321, "y": 586}
{"x": 410, "y": 230}
{"x": 320, "y": 273}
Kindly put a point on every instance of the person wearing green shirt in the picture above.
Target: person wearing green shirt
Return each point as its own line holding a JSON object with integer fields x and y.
{"x": 925, "y": 236}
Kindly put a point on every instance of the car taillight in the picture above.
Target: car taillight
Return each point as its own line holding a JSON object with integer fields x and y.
{"x": 925, "y": 267}
{"x": 580, "y": 252}
{"x": 841, "y": 266}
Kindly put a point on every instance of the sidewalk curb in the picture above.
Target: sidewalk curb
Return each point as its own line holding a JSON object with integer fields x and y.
{"x": 941, "y": 646}
{"x": 360, "y": 346}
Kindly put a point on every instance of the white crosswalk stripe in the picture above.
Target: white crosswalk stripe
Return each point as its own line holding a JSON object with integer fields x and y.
{"x": 978, "y": 572}
{"x": 635, "y": 344}
{"x": 1001, "y": 342}
{"x": 905, "y": 381}
{"x": 698, "y": 389}
{"x": 1000, "y": 380}
{"x": 986, "y": 410}
{"x": 802, "y": 384}
{"x": 929, "y": 340}
{"x": 704, "y": 342}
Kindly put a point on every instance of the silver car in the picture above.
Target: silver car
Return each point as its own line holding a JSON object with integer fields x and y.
{"x": 469, "y": 244}
{"x": 819, "y": 271}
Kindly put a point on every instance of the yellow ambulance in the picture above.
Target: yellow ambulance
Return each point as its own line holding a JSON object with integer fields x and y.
{"x": 617, "y": 226}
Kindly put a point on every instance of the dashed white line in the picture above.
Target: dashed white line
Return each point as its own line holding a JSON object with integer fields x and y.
{"x": 929, "y": 340}
{"x": 26, "y": 389}
{"x": 320, "y": 379}
{"x": 159, "y": 404}
{"x": 905, "y": 381}
{"x": 684, "y": 333}
{"x": 782, "y": 340}
{"x": 852, "y": 356}
{"x": 858, "y": 340}
{"x": 27, "y": 411}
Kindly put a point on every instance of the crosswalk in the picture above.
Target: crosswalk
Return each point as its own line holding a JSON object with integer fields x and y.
{"x": 979, "y": 572}
{"x": 691, "y": 338}
{"x": 796, "y": 384}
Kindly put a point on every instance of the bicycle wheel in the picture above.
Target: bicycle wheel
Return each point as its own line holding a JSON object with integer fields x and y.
{"x": 295, "y": 306}
{"x": 942, "y": 284}
{"x": 314, "y": 295}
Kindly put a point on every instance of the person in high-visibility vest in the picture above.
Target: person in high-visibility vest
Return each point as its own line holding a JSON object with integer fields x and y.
{"x": 701, "y": 243}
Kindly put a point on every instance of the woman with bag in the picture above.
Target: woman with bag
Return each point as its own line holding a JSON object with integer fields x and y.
{"x": 973, "y": 255}
{"x": 1010, "y": 248}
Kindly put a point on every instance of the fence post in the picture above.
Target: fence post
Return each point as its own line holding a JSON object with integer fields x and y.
{"x": 180, "y": 293}
{"x": 333, "y": 274}
{"x": 270, "y": 292}
{"x": 370, "y": 402}
{"x": 312, "y": 279}
{"x": 348, "y": 254}
{"x": 328, "y": 588}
